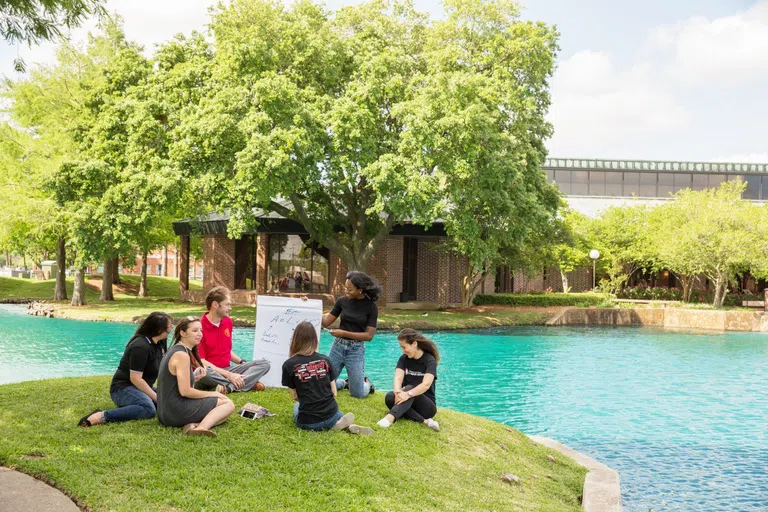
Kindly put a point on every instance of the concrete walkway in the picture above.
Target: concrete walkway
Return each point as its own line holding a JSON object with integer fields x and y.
{"x": 22, "y": 493}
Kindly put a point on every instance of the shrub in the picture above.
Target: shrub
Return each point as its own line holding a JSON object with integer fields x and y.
{"x": 543, "y": 300}
{"x": 697, "y": 296}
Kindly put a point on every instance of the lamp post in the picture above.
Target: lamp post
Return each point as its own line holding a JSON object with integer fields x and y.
{"x": 594, "y": 254}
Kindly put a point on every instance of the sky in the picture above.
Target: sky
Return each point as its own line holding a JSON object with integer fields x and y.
{"x": 653, "y": 80}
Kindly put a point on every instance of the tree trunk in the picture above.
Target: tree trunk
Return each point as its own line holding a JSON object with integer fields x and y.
{"x": 61, "y": 276}
{"x": 78, "y": 295}
{"x": 7, "y": 258}
{"x": 564, "y": 277}
{"x": 723, "y": 293}
{"x": 107, "y": 280}
{"x": 24, "y": 259}
{"x": 116, "y": 271}
{"x": 165, "y": 261}
{"x": 143, "y": 280}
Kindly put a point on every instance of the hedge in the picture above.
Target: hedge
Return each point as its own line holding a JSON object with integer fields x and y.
{"x": 542, "y": 300}
{"x": 697, "y": 296}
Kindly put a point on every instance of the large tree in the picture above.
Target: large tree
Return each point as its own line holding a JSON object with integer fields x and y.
{"x": 476, "y": 128}
{"x": 316, "y": 115}
{"x": 715, "y": 233}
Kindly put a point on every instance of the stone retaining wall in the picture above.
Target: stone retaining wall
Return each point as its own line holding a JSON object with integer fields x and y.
{"x": 674, "y": 318}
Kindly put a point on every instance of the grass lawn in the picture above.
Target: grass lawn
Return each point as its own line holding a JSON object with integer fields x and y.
{"x": 128, "y": 309}
{"x": 269, "y": 464}
{"x": 164, "y": 292}
{"x": 17, "y": 288}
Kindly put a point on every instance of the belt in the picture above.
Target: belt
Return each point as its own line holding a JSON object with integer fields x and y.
{"x": 345, "y": 341}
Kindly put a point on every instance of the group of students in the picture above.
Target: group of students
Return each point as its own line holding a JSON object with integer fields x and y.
{"x": 194, "y": 376}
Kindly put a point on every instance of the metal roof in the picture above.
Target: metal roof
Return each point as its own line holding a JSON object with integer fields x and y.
{"x": 592, "y": 164}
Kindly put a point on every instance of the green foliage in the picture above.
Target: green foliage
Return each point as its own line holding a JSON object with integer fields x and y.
{"x": 270, "y": 464}
{"x": 34, "y": 21}
{"x": 543, "y": 300}
{"x": 676, "y": 294}
{"x": 350, "y": 122}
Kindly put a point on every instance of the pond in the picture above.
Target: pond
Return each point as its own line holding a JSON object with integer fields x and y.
{"x": 682, "y": 416}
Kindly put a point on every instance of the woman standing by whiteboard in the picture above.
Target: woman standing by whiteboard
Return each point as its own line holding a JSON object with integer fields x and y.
{"x": 359, "y": 316}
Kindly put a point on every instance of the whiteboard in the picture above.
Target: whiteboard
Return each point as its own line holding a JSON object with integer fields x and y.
{"x": 276, "y": 318}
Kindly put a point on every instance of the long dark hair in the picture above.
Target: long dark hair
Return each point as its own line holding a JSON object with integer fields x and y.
{"x": 155, "y": 323}
{"x": 183, "y": 325}
{"x": 366, "y": 284}
{"x": 424, "y": 343}
{"x": 304, "y": 339}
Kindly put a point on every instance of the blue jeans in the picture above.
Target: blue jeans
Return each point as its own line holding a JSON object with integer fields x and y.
{"x": 317, "y": 427}
{"x": 352, "y": 356}
{"x": 132, "y": 403}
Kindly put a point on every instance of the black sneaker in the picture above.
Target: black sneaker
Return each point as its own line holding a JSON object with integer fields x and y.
{"x": 373, "y": 389}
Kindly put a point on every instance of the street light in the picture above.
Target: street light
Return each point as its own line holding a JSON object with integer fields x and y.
{"x": 594, "y": 254}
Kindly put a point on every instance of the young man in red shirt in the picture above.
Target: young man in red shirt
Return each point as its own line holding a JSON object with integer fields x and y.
{"x": 225, "y": 370}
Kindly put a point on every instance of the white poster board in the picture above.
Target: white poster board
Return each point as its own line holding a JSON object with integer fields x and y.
{"x": 276, "y": 318}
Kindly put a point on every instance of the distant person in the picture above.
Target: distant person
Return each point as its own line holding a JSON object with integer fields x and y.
{"x": 299, "y": 281}
{"x": 131, "y": 389}
{"x": 359, "y": 318}
{"x": 179, "y": 403}
{"x": 414, "y": 386}
{"x": 225, "y": 370}
{"x": 309, "y": 377}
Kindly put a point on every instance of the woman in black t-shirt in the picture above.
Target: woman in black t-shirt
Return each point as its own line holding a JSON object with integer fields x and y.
{"x": 131, "y": 387}
{"x": 359, "y": 316}
{"x": 309, "y": 377}
{"x": 415, "y": 376}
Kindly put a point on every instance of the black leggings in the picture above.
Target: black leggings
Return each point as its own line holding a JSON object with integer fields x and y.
{"x": 417, "y": 408}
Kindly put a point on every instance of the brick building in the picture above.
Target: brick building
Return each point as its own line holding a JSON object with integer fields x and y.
{"x": 280, "y": 259}
{"x": 164, "y": 263}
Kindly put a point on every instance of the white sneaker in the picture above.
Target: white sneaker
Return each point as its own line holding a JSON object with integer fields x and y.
{"x": 433, "y": 425}
{"x": 383, "y": 423}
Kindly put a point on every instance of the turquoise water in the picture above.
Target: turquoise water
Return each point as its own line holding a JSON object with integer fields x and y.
{"x": 683, "y": 417}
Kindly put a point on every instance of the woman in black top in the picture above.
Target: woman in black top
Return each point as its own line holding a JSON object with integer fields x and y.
{"x": 414, "y": 387}
{"x": 131, "y": 388}
{"x": 359, "y": 316}
{"x": 309, "y": 377}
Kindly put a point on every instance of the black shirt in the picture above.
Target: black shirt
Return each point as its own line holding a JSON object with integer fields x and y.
{"x": 311, "y": 376}
{"x": 141, "y": 355}
{"x": 356, "y": 314}
{"x": 415, "y": 369}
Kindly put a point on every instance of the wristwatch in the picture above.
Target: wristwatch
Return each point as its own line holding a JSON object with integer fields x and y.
{"x": 410, "y": 394}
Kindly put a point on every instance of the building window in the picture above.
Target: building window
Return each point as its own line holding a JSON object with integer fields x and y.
{"x": 716, "y": 179}
{"x": 632, "y": 184}
{"x": 563, "y": 180}
{"x": 613, "y": 184}
{"x": 296, "y": 266}
{"x": 665, "y": 185}
{"x": 700, "y": 182}
{"x": 753, "y": 187}
{"x": 596, "y": 183}
{"x": 648, "y": 185}
{"x": 579, "y": 183}
{"x": 682, "y": 181}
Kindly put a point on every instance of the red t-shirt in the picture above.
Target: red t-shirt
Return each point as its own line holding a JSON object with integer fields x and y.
{"x": 216, "y": 345}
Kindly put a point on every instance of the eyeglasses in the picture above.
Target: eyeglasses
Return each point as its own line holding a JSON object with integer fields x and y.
{"x": 191, "y": 318}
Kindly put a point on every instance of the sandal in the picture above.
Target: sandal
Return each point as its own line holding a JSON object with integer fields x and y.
{"x": 189, "y": 426}
{"x": 84, "y": 420}
{"x": 200, "y": 432}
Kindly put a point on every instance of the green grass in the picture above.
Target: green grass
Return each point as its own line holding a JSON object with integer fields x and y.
{"x": 160, "y": 287}
{"x": 543, "y": 299}
{"x": 269, "y": 464}
{"x": 17, "y": 288}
